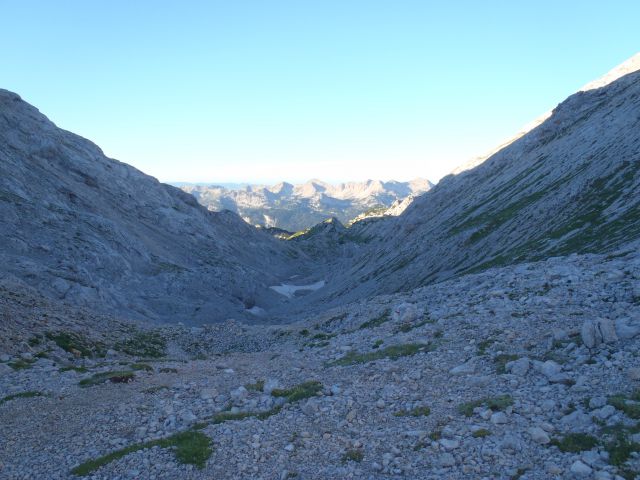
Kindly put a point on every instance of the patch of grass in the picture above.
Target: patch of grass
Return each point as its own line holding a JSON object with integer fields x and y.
{"x": 353, "y": 455}
{"x": 255, "y": 387}
{"x": 435, "y": 435}
{"x": 323, "y": 336}
{"x": 620, "y": 449}
{"x": 77, "y": 344}
{"x": 74, "y": 369}
{"x": 498, "y": 403}
{"x": 21, "y": 364}
{"x": 141, "y": 366}
{"x": 630, "y": 405}
{"x": 414, "y": 412}
{"x": 156, "y": 388}
{"x": 392, "y": 352}
{"x": 501, "y": 361}
{"x": 481, "y": 433}
{"x": 377, "y": 321}
{"x": 304, "y": 332}
{"x": 143, "y": 344}
{"x": 168, "y": 370}
{"x": 299, "y": 392}
{"x": 114, "y": 376}
{"x": 29, "y": 394}
{"x": 575, "y": 442}
{"x": 484, "y": 345}
{"x": 190, "y": 447}
{"x": 378, "y": 343}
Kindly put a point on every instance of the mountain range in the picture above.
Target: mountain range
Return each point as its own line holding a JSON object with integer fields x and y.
{"x": 487, "y": 328}
{"x": 297, "y": 207}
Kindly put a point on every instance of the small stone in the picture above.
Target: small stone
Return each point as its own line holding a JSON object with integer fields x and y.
{"x": 538, "y": 435}
{"x": 449, "y": 444}
{"x": 447, "y": 460}
{"x": 581, "y": 469}
{"x": 270, "y": 385}
{"x": 633, "y": 374}
{"x": 518, "y": 367}
{"x": 597, "y": 402}
{"x": 239, "y": 394}
{"x": 380, "y": 403}
{"x": 26, "y": 356}
{"x": 289, "y": 447}
{"x": 550, "y": 368}
{"x": 605, "y": 412}
{"x": 464, "y": 369}
{"x": 499, "y": 418}
{"x": 4, "y": 357}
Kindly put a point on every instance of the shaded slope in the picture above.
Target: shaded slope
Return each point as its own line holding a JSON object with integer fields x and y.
{"x": 93, "y": 231}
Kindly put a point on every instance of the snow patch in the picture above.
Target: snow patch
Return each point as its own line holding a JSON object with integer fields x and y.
{"x": 289, "y": 290}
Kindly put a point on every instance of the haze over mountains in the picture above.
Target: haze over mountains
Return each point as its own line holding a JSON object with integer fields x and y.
{"x": 297, "y": 207}
{"x": 492, "y": 326}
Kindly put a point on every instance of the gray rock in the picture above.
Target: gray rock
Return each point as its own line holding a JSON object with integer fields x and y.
{"x": 627, "y": 330}
{"x": 581, "y": 469}
{"x": 499, "y": 418}
{"x": 538, "y": 435}
{"x": 518, "y": 367}
{"x": 464, "y": 369}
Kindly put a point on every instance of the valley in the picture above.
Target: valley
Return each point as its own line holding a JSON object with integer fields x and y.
{"x": 487, "y": 328}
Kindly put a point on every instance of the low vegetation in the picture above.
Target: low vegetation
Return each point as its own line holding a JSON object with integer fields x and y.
{"x": 77, "y": 344}
{"x": 190, "y": 447}
{"x": 143, "y": 344}
{"x": 414, "y": 412}
{"x": 377, "y": 321}
{"x": 30, "y": 394}
{"x": 629, "y": 404}
{"x": 575, "y": 442}
{"x": 498, "y": 403}
{"x": 392, "y": 352}
{"x": 299, "y": 392}
{"x": 21, "y": 364}
{"x": 352, "y": 455}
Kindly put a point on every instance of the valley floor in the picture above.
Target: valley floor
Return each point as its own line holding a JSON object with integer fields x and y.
{"x": 529, "y": 372}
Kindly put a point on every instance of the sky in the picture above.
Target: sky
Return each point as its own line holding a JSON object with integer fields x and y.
{"x": 263, "y": 91}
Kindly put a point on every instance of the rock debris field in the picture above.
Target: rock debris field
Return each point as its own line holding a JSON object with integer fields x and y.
{"x": 524, "y": 372}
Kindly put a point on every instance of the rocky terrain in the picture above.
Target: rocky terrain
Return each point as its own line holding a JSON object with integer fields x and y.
{"x": 92, "y": 231}
{"x": 490, "y": 331}
{"x": 529, "y": 372}
{"x": 571, "y": 184}
{"x": 297, "y": 207}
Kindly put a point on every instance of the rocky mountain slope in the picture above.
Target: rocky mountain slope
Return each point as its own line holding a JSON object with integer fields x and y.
{"x": 92, "y": 231}
{"x": 570, "y": 185}
{"x": 297, "y": 207}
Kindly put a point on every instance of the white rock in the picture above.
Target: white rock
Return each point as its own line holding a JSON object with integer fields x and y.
{"x": 270, "y": 385}
{"x": 449, "y": 444}
{"x": 499, "y": 418}
{"x": 626, "y": 330}
{"x": 581, "y": 469}
{"x": 538, "y": 435}
{"x": 405, "y": 313}
{"x": 464, "y": 369}
{"x": 550, "y": 369}
{"x": 518, "y": 367}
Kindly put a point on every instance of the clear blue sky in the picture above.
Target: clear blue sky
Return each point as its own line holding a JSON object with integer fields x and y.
{"x": 262, "y": 91}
